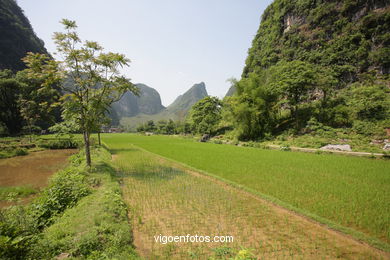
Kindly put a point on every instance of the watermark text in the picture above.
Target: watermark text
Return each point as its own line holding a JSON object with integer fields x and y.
{"x": 193, "y": 239}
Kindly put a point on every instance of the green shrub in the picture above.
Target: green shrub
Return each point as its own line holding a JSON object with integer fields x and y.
{"x": 4, "y": 154}
{"x": 64, "y": 190}
{"x": 223, "y": 252}
{"x": 11, "y": 152}
{"x": 58, "y": 143}
{"x": 17, "y": 232}
{"x": 96, "y": 228}
{"x": 366, "y": 128}
{"x": 21, "y": 151}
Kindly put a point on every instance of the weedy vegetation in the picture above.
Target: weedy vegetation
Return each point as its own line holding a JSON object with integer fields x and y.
{"x": 79, "y": 215}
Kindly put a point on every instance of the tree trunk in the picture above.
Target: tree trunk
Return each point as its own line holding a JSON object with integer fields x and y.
{"x": 100, "y": 143}
{"x": 30, "y": 130}
{"x": 294, "y": 112}
{"x": 87, "y": 150}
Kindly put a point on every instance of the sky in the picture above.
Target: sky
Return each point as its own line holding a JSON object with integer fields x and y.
{"x": 172, "y": 44}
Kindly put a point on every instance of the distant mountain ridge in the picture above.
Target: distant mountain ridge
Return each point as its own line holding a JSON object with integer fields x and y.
{"x": 149, "y": 102}
{"x": 175, "y": 111}
{"x": 184, "y": 102}
{"x": 231, "y": 91}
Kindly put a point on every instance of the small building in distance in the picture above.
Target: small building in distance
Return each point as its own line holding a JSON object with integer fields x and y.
{"x": 115, "y": 130}
{"x": 107, "y": 129}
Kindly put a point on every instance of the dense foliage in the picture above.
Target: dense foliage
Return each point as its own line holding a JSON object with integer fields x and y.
{"x": 205, "y": 115}
{"x": 316, "y": 60}
{"x": 26, "y": 104}
{"x": 165, "y": 127}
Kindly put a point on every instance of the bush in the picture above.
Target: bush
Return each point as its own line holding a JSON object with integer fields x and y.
{"x": 367, "y": 128}
{"x": 97, "y": 227}
{"x": 17, "y": 229}
{"x": 11, "y": 152}
{"x": 64, "y": 190}
{"x": 58, "y": 143}
{"x": 21, "y": 151}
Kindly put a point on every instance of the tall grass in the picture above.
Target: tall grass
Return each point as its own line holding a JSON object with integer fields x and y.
{"x": 351, "y": 191}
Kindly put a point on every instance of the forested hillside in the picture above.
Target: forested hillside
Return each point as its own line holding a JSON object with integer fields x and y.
{"x": 316, "y": 64}
{"x": 17, "y": 36}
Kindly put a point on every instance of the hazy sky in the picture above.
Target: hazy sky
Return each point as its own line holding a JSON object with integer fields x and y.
{"x": 172, "y": 44}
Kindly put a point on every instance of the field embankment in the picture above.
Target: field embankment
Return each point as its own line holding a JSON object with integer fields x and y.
{"x": 79, "y": 215}
{"x": 339, "y": 191}
{"x": 168, "y": 199}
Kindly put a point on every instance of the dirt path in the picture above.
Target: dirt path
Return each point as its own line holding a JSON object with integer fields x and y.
{"x": 169, "y": 199}
{"x": 314, "y": 150}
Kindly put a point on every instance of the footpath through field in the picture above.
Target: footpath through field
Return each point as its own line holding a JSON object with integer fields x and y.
{"x": 169, "y": 200}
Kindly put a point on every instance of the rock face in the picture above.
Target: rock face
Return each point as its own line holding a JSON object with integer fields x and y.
{"x": 291, "y": 20}
{"x": 205, "y": 138}
{"x": 17, "y": 36}
{"x": 183, "y": 103}
{"x": 231, "y": 91}
{"x": 337, "y": 147}
{"x": 386, "y": 147}
{"x": 149, "y": 102}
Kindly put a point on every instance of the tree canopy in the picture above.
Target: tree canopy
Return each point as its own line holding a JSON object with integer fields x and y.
{"x": 95, "y": 79}
{"x": 205, "y": 115}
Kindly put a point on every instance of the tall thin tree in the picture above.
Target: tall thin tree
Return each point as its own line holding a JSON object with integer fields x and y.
{"x": 94, "y": 80}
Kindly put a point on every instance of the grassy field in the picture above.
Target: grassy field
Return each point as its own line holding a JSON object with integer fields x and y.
{"x": 168, "y": 199}
{"x": 353, "y": 192}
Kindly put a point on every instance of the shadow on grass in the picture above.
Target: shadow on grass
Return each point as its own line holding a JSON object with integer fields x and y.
{"x": 104, "y": 168}
{"x": 121, "y": 150}
{"x": 151, "y": 173}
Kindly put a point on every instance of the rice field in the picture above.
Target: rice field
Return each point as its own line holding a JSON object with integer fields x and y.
{"x": 350, "y": 191}
{"x": 166, "y": 198}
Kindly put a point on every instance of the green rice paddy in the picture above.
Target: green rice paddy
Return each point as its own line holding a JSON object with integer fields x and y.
{"x": 350, "y": 191}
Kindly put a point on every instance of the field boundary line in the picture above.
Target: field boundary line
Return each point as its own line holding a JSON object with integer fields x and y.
{"x": 315, "y": 150}
{"x": 311, "y": 217}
